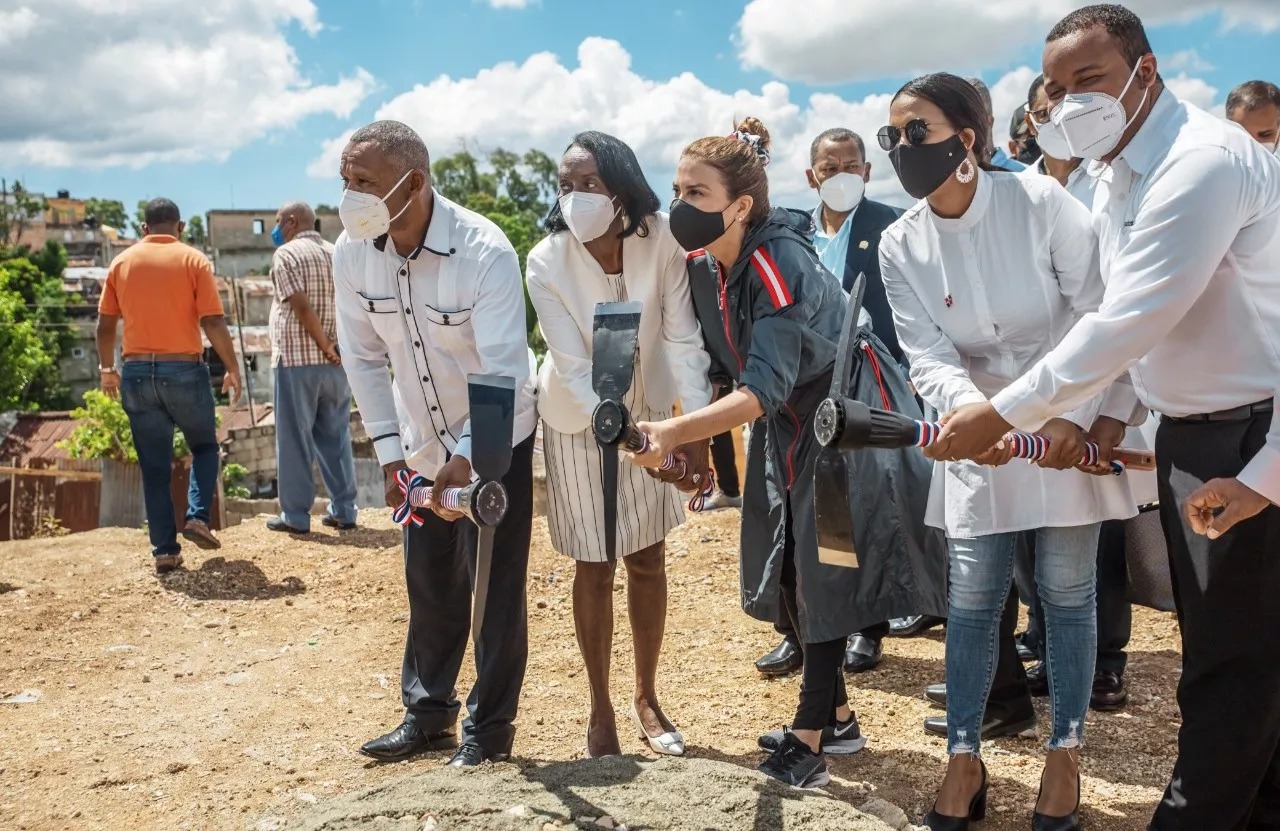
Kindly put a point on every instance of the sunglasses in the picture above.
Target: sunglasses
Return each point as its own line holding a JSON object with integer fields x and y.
{"x": 1040, "y": 116}
{"x": 916, "y": 131}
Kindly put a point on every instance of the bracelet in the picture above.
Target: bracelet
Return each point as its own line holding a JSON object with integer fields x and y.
{"x": 108, "y": 370}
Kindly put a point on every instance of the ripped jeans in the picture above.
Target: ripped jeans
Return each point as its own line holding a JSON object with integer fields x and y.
{"x": 981, "y": 572}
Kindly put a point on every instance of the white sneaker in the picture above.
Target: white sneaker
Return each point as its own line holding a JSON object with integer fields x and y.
{"x": 719, "y": 502}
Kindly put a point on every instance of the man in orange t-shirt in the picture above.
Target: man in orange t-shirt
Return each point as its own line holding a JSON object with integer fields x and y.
{"x": 164, "y": 291}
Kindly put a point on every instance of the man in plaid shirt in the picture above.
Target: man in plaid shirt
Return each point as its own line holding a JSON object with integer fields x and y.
{"x": 312, "y": 399}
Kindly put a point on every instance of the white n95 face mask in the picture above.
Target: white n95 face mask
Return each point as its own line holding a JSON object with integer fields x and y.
{"x": 588, "y": 215}
{"x": 1052, "y": 143}
{"x": 842, "y": 192}
{"x": 1094, "y": 122}
{"x": 365, "y": 216}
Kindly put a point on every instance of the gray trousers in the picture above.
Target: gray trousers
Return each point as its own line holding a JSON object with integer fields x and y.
{"x": 313, "y": 423}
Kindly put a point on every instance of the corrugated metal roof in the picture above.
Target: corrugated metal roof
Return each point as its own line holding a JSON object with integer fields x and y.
{"x": 35, "y": 436}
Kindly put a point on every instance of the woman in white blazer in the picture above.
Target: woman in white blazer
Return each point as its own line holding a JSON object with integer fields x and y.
{"x": 985, "y": 275}
{"x": 608, "y": 243}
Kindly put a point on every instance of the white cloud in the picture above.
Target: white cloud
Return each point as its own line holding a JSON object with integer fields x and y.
{"x": 1188, "y": 59}
{"x": 1193, "y": 90}
{"x": 16, "y": 25}
{"x": 832, "y": 41}
{"x": 541, "y": 103}
{"x": 159, "y": 81}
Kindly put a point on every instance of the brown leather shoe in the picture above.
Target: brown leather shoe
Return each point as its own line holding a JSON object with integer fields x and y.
{"x": 199, "y": 533}
{"x": 166, "y": 563}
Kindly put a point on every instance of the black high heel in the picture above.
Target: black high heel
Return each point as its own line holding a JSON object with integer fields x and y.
{"x": 1071, "y": 822}
{"x": 977, "y": 811}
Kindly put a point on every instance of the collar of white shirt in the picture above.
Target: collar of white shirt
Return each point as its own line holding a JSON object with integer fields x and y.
{"x": 1144, "y": 149}
{"x": 436, "y": 239}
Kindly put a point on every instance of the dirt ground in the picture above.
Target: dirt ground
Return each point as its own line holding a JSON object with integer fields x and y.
{"x": 234, "y": 694}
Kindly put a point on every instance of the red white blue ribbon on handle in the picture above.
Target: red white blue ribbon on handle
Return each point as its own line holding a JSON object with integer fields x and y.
{"x": 1025, "y": 445}
{"x": 417, "y": 494}
{"x": 699, "y": 500}
{"x": 416, "y": 491}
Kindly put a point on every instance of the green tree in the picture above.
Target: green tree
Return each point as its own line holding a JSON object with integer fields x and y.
{"x": 18, "y": 208}
{"x": 195, "y": 231}
{"x": 102, "y": 431}
{"x": 514, "y": 191}
{"x": 108, "y": 212}
{"x": 322, "y": 208}
{"x": 23, "y": 356}
{"x": 139, "y": 217}
{"x": 36, "y": 278}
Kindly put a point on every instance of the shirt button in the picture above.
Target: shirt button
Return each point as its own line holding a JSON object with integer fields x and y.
{"x": 446, "y": 319}
{"x": 425, "y": 378}
{"x": 404, "y": 272}
{"x": 435, "y": 409}
{"x": 407, "y": 311}
{"x": 417, "y": 343}
{"x": 442, "y": 432}
{"x": 406, "y": 447}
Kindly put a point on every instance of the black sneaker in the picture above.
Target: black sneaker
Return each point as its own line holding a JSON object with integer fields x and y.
{"x": 841, "y": 740}
{"x": 796, "y": 765}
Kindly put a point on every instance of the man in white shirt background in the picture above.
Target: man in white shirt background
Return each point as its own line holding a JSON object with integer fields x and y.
{"x": 999, "y": 158}
{"x": 1188, "y": 219}
{"x": 436, "y": 291}
{"x": 1255, "y": 106}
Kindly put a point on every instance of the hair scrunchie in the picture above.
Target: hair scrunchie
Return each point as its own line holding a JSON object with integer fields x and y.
{"x": 756, "y": 143}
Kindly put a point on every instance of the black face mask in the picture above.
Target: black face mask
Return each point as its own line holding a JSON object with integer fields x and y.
{"x": 694, "y": 228}
{"x": 1030, "y": 151}
{"x": 923, "y": 168}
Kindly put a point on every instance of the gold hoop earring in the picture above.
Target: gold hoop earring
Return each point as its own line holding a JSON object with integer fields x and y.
{"x": 966, "y": 171}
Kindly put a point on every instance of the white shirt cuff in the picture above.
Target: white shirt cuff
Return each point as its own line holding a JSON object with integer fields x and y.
{"x": 464, "y": 447}
{"x": 389, "y": 449}
{"x": 1022, "y": 406}
{"x": 1262, "y": 474}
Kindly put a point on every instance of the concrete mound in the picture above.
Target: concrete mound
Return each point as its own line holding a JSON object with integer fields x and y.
{"x": 619, "y": 792}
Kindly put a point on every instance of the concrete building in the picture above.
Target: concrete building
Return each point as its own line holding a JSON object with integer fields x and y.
{"x": 241, "y": 239}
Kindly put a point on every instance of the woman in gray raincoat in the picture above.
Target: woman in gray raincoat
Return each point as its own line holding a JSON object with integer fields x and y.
{"x": 771, "y": 318}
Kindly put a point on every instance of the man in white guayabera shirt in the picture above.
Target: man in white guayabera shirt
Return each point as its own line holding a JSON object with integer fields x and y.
{"x": 435, "y": 291}
{"x": 1188, "y": 221}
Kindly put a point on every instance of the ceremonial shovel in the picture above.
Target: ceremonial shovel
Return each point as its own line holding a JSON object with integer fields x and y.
{"x": 493, "y": 402}
{"x": 614, "y": 340}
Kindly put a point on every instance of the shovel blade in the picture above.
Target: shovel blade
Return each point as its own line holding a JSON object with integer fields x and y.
{"x": 615, "y": 337}
{"x": 832, "y": 507}
{"x": 493, "y": 405}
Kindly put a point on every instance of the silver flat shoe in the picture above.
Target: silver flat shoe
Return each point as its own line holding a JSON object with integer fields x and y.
{"x": 668, "y": 744}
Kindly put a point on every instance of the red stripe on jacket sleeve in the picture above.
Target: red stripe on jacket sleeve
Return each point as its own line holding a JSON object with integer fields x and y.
{"x": 771, "y": 275}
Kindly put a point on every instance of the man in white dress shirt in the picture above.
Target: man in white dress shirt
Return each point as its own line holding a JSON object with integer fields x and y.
{"x": 435, "y": 291}
{"x": 1188, "y": 219}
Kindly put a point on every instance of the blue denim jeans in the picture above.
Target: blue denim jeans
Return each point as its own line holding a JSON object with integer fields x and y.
{"x": 313, "y": 423}
{"x": 158, "y": 397}
{"x": 981, "y": 572}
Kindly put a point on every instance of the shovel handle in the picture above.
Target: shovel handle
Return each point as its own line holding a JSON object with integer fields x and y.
{"x": 699, "y": 500}
{"x": 1025, "y": 446}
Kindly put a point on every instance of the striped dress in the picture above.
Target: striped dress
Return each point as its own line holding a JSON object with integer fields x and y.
{"x": 647, "y": 508}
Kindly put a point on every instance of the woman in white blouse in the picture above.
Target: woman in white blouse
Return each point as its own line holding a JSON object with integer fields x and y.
{"x": 985, "y": 275}
{"x": 608, "y": 243}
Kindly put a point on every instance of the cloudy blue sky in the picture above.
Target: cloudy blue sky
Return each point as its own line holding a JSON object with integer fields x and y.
{"x": 246, "y": 103}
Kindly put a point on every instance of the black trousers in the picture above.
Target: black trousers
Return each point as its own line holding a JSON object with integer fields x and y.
{"x": 1227, "y": 777}
{"x": 439, "y": 570}
{"x": 787, "y": 629}
{"x": 822, "y": 687}
{"x": 1115, "y": 613}
{"x": 724, "y": 458}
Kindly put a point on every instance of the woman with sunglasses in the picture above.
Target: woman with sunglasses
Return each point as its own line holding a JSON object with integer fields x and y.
{"x": 771, "y": 317}
{"x": 985, "y": 275}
